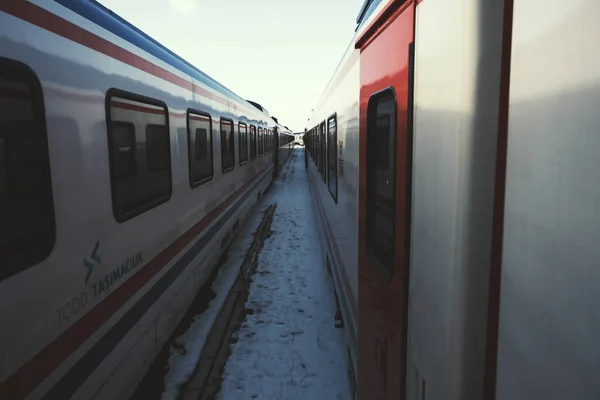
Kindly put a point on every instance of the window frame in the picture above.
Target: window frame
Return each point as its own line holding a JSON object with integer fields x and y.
{"x": 19, "y": 71}
{"x": 225, "y": 170}
{"x": 123, "y": 94}
{"x": 387, "y": 271}
{"x": 195, "y": 184}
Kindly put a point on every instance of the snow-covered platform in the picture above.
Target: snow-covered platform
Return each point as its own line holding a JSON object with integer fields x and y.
{"x": 270, "y": 331}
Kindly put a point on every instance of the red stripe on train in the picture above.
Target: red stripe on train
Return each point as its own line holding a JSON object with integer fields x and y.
{"x": 38, "y": 368}
{"x": 135, "y": 107}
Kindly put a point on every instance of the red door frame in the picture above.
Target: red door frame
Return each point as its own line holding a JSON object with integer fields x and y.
{"x": 384, "y": 63}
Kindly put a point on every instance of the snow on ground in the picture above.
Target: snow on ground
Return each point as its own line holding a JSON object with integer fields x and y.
{"x": 289, "y": 347}
{"x": 183, "y": 363}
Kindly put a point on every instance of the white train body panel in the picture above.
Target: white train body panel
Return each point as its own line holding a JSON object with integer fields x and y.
{"x": 162, "y": 256}
{"x": 456, "y": 123}
{"x": 549, "y": 309}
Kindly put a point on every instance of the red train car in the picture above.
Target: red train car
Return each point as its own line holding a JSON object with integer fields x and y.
{"x": 443, "y": 163}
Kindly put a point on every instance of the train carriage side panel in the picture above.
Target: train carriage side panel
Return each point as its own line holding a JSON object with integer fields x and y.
{"x": 457, "y": 83}
{"x": 80, "y": 327}
{"x": 549, "y": 309}
{"x": 335, "y": 198}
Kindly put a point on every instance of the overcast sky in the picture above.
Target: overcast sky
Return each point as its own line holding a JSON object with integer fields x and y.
{"x": 279, "y": 53}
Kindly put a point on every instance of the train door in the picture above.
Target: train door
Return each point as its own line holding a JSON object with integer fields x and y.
{"x": 386, "y": 79}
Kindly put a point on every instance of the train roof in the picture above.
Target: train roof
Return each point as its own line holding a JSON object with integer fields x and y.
{"x": 261, "y": 108}
{"x": 365, "y": 11}
{"x": 107, "y": 19}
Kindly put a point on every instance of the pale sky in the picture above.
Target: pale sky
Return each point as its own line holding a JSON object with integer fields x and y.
{"x": 279, "y": 53}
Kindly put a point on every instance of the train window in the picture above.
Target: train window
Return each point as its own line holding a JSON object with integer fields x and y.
{"x": 381, "y": 179}
{"x": 138, "y": 183}
{"x": 227, "y": 145}
{"x": 27, "y": 230}
{"x": 317, "y": 158}
{"x": 157, "y": 148}
{"x": 201, "y": 144}
{"x": 243, "y": 143}
{"x": 252, "y": 142}
{"x": 332, "y": 150}
{"x": 260, "y": 141}
{"x": 3, "y": 169}
{"x": 315, "y": 147}
{"x": 268, "y": 140}
{"x": 200, "y": 152}
{"x": 124, "y": 156}
{"x": 323, "y": 151}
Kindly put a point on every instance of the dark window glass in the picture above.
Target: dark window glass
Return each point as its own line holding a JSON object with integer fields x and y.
{"x": 252, "y": 142}
{"x": 123, "y": 148}
{"x": 227, "y": 146}
{"x": 243, "y": 139}
{"x": 332, "y": 146}
{"x": 157, "y": 148}
{"x": 323, "y": 151}
{"x": 381, "y": 179}
{"x": 201, "y": 144}
{"x": 200, "y": 153}
{"x": 382, "y": 126}
{"x": 138, "y": 183}
{"x": 260, "y": 142}
{"x": 27, "y": 228}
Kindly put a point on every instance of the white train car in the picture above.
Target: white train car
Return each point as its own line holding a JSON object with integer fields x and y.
{"x": 453, "y": 161}
{"x": 124, "y": 172}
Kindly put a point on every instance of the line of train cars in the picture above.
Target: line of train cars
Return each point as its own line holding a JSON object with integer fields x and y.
{"x": 454, "y": 155}
{"x": 124, "y": 171}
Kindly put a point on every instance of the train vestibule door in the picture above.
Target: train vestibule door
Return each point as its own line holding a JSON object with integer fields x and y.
{"x": 386, "y": 79}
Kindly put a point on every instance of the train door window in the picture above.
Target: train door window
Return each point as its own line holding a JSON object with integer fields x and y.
{"x": 140, "y": 180}
{"x": 227, "y": 145}
{"x": 260, "y": 141}
{"x": 252, "y": 142}
{"x": 323, "y": 150}
{"x": 268, "y": 140}
{"x": 157, "y": 148}
{"x": 332, "y": 158}
{"x": 381, "y": 179}
{"x": 200, "y": 151}
{"x": 243, "y": 143}
{"x": 27, "y": 230}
